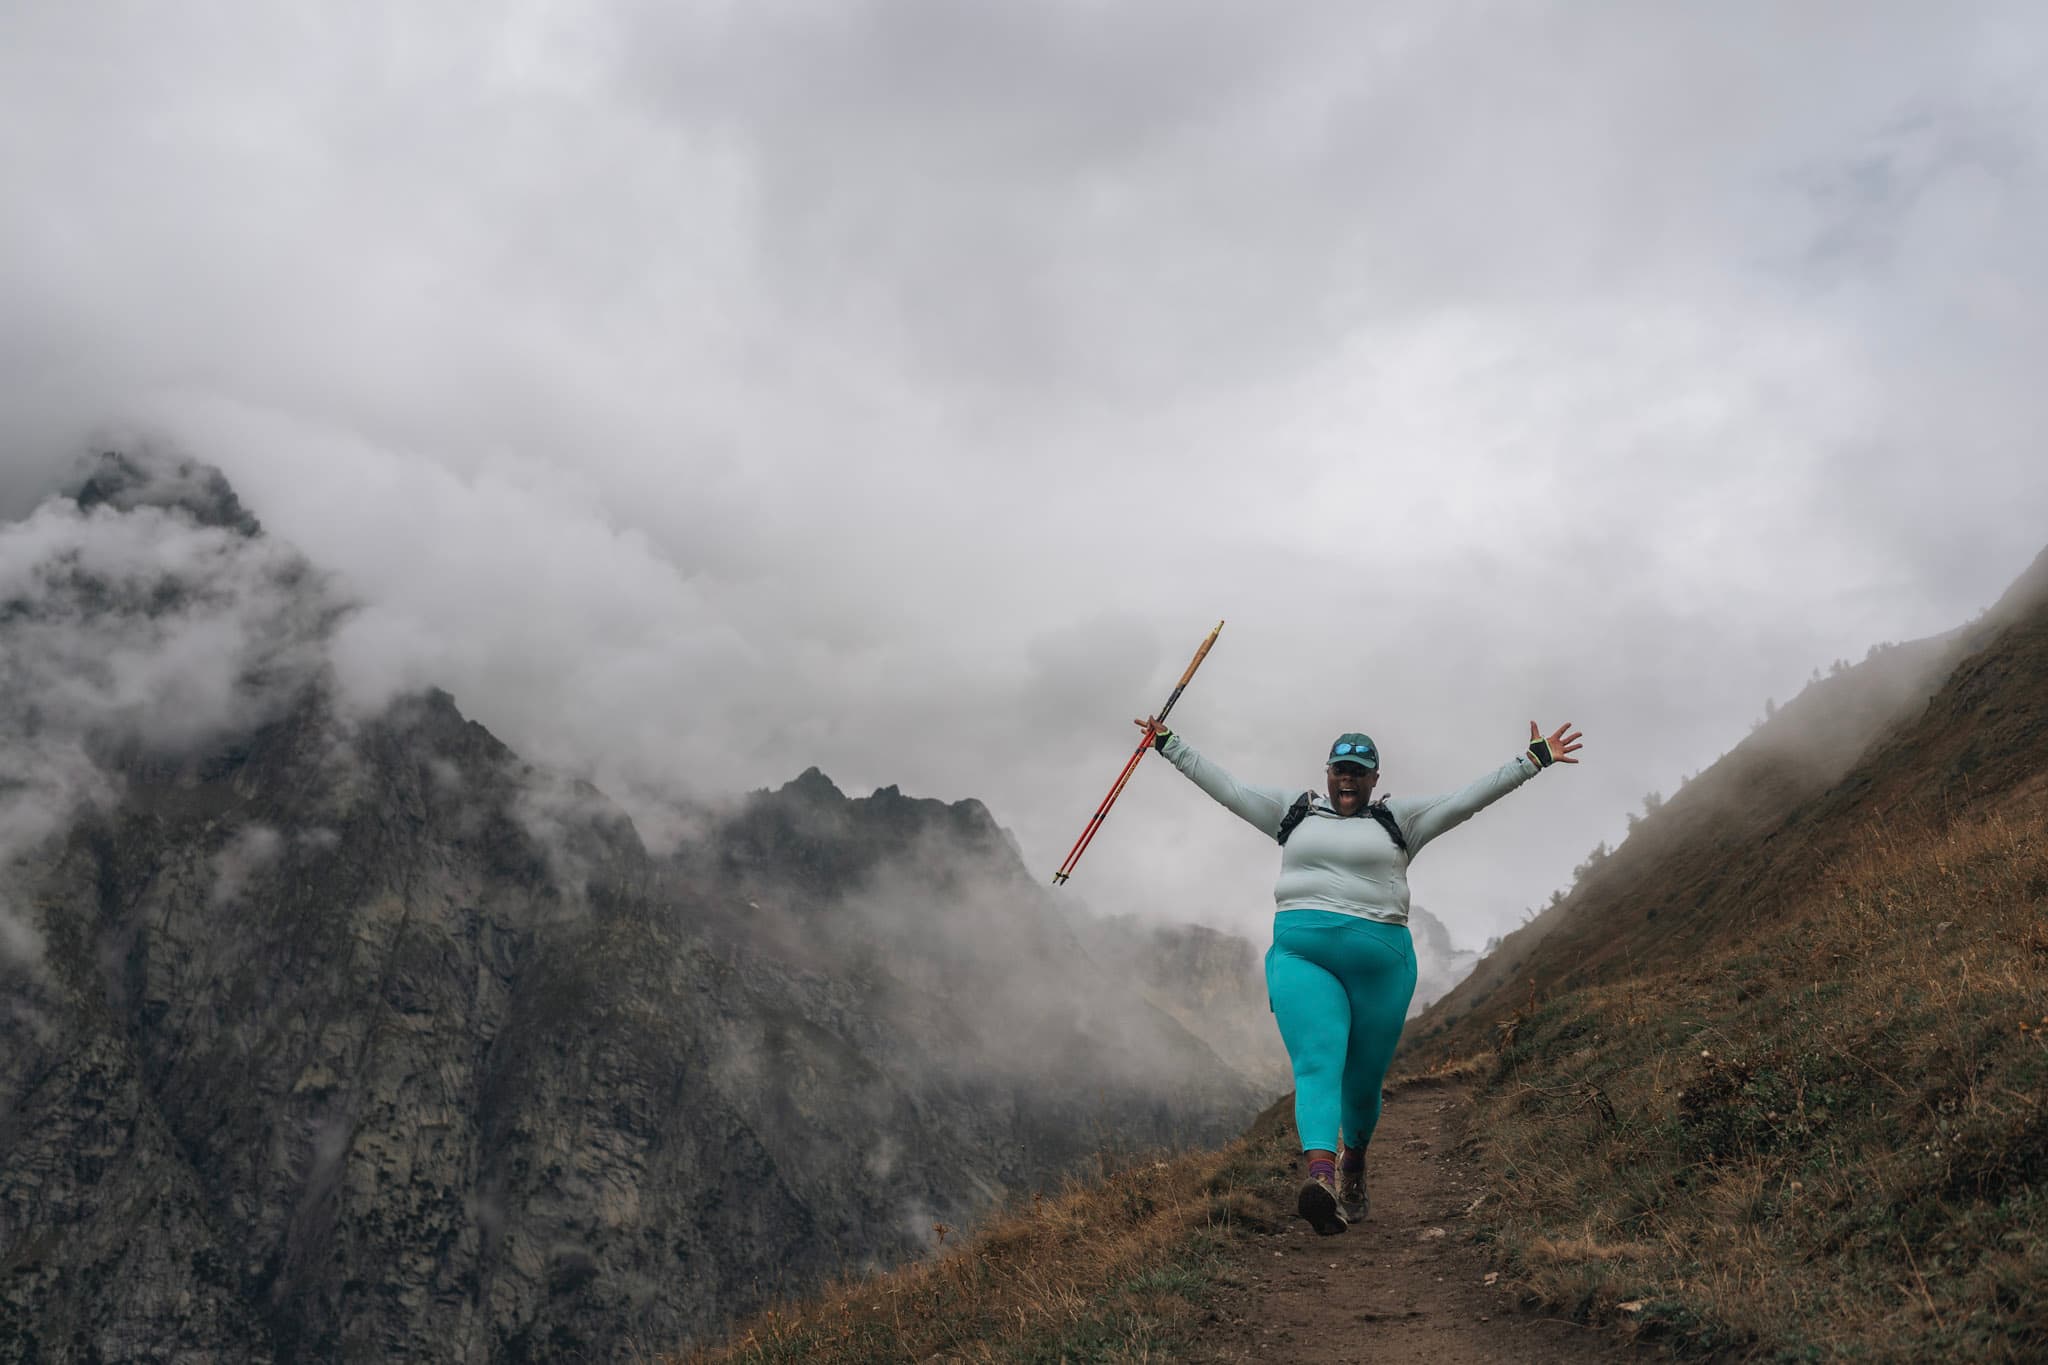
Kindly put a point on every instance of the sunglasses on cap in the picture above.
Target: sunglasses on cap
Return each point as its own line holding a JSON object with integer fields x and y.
{"x": 1358, "y": 753}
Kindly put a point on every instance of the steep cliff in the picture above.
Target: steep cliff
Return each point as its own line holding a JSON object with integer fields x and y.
{"x": 338, "y": 1038}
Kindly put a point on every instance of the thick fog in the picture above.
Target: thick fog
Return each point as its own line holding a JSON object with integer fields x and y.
{"x": 132, "y": 627}
{"x": 702, "y": 394}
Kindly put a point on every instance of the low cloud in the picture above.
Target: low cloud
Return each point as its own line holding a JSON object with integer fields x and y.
{"x": 701, "y": 394}
{"x": 151, "y": 620}
{"x": 252, "y": 850}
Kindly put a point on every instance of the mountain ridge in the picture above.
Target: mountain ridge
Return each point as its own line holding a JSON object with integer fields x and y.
{"x": 360, "y": 1036}
{"x": 1704, "y": 841}
{"x": 1819, "y": 1069}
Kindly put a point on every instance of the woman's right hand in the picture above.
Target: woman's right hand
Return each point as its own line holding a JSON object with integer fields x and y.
{"x": 1154, "y": 731}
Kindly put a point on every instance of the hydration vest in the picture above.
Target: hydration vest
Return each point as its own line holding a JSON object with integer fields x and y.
{"x": 1306, "y": 802}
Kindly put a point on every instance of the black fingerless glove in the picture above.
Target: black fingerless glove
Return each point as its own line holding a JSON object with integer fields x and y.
{"x": 1159, "y": 739}
{"x": 1539, "y": 749}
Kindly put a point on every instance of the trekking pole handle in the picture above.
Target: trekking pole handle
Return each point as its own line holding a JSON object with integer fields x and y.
{"x": 1196, "y": 662}
{"x": 1193, "y": 664}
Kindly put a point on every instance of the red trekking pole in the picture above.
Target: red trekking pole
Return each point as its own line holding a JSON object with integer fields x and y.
{"x": 1095, "y": 821}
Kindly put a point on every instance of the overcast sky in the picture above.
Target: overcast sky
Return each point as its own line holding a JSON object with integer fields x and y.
{"x": 705, "y": 392}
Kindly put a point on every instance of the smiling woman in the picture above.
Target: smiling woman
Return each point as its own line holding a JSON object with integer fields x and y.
{"x": 1341, "y": 969}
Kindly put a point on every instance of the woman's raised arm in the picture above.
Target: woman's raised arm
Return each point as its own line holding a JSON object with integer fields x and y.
{"x": 1260, "y": 807}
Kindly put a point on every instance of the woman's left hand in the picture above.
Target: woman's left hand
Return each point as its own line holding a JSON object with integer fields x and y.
{"x": 1558, "y": 747}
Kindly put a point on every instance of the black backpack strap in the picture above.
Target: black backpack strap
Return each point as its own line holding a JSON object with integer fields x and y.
{"x": 1306, "y": 802}
{"x": 1386, "y": 817}
{"x": 1296, "y": 813}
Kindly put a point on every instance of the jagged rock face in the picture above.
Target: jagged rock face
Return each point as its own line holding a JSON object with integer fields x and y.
{"x": 351, "y": 1064}
{"x": 331, "y": 1039}
{"x": 199, "y": 492}
{"x": 315, "y": 994}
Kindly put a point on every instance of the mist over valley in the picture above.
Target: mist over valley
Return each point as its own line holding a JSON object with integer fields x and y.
{"x": 334, "y": 1031}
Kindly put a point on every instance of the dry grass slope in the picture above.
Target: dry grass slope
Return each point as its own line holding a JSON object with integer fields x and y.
{"x": 1773, "y": 1081}
{"x": 1934, "y": 729}
{"x": 1829, "y": 1143}
{"x": 1113, "y": 1270}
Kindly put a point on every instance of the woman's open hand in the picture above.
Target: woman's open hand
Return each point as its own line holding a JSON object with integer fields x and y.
{"x": 1557, "y": 747}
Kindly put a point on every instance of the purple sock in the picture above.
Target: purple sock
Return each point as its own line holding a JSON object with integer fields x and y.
{"x": 1323, "y": 1169}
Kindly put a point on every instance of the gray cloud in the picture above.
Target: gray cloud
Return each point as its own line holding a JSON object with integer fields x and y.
{"x": 128, "y": 624}
{"x": 251, "y": 851}
{"x": 703, "y": 394}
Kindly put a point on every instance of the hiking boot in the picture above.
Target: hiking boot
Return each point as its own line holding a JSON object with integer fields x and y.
{"x": 1351, "y": 1195}
{"x": 1318, "y": 1204}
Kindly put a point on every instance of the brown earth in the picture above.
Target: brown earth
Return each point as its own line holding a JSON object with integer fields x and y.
{"x": 1405, "y": 1285}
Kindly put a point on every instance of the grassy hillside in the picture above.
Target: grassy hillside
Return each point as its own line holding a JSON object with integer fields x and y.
{"x": 1115, "y": 1269}
{"x": 1828, "y": 1140}
{"x": 1928, "y": 730}
{"x": 1774, "y": 1078}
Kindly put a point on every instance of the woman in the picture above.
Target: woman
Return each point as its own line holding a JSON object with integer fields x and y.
{"x": 1341, "y": 969}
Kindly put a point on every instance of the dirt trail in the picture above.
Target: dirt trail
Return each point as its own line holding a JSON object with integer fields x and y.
{"x": 1403, "y": 1286}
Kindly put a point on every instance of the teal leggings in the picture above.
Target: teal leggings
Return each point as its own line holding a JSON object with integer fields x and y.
{"x": 1339, "y": 987}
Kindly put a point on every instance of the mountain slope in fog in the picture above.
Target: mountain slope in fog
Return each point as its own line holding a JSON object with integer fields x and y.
{"x": 335, "y": 1037}
{"x": 1934, "y": 726}
{"x": 1772, "y": 1084}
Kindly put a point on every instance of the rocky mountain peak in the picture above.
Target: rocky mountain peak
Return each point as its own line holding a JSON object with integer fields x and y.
{"x": 812, "y": 785}
{"x": 344, "y": 1037}
{"x": 126, "y": 480}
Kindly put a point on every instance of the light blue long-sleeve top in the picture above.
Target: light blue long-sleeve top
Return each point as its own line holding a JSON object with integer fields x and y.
{"x": 1347, "y": 863}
